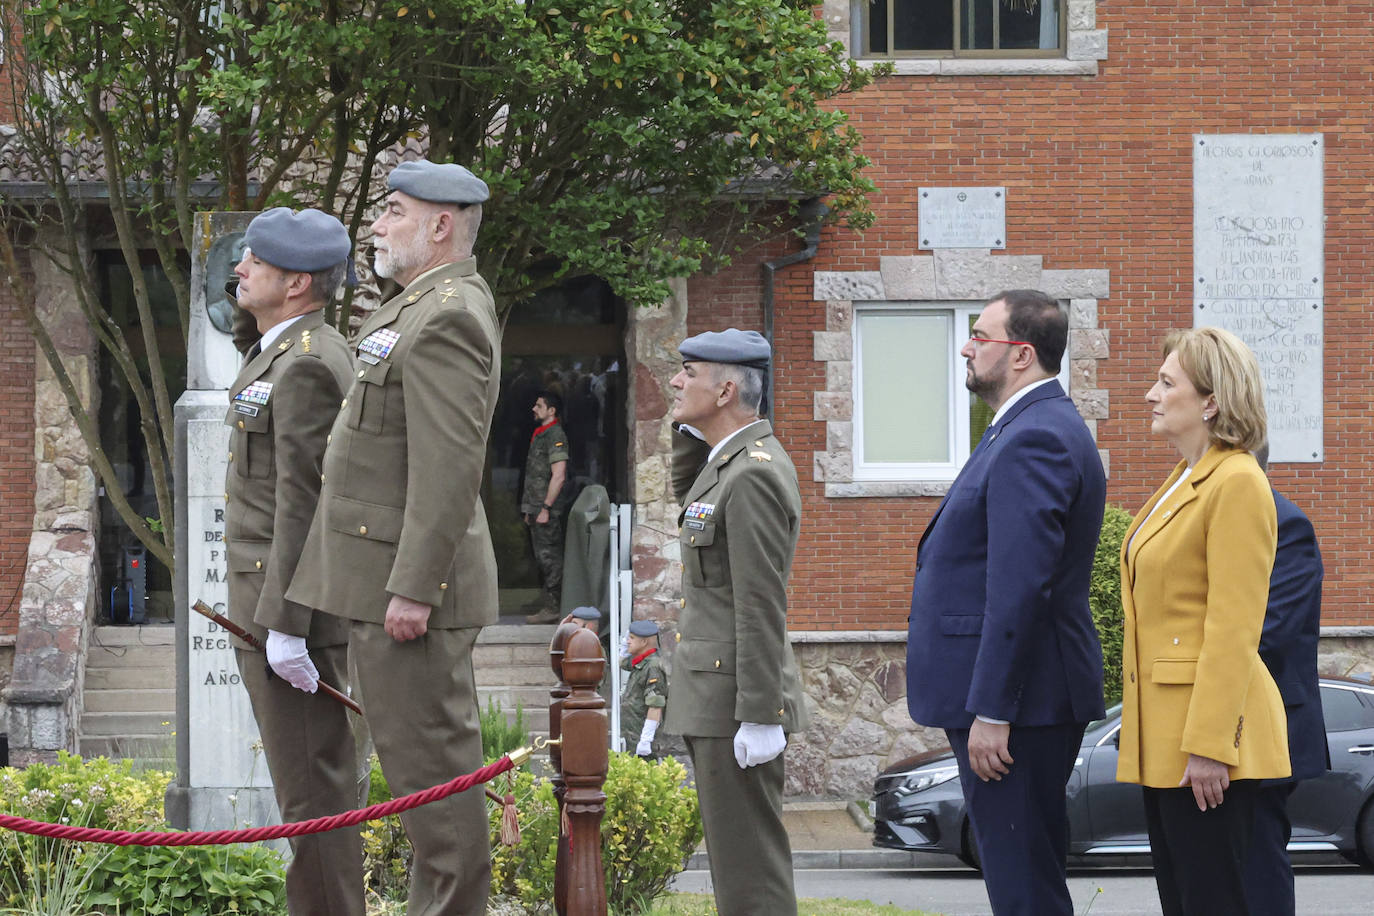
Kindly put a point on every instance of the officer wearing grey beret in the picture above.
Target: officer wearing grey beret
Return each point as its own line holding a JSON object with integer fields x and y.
{"x": 399, "y": 549}
{"x": 280, "y": 409}
{"x": 736, "y": 692}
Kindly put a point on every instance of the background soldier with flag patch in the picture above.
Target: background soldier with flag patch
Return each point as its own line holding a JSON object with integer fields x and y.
{"x": 280, "y": 409}
{"x": 546, "y": 470}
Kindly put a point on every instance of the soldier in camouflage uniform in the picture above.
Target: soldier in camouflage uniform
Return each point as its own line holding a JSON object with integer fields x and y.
{"x": 645, "y": 692}
{"x": 546, "y": 469}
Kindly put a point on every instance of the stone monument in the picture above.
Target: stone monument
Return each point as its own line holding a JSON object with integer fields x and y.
{"x": 222, "y": 778}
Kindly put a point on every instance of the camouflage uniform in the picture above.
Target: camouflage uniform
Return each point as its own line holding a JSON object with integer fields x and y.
{"x": 548, "y": 446}
{"x": 645, "y": 685}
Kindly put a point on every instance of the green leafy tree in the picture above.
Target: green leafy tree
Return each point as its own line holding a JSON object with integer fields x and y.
{"x": 634, "y": 140}
{"x": 169, "y": 108}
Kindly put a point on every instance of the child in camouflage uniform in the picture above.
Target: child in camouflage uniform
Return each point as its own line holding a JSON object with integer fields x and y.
{"x": 645, "y": 691}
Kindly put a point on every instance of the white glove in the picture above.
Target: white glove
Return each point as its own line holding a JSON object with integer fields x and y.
{"x": 645, "y": 748}
{"x": 289, "y": 659}
{"x": 756, "y": 744}
{"x": 625, "y": 646}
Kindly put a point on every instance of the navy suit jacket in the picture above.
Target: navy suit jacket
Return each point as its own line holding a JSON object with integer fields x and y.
{"x": 1288, "y": 645}
{"x": 1000, "y": 624}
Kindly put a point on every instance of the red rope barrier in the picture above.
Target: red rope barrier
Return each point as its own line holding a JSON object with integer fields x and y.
{"x": 256, "y": 834}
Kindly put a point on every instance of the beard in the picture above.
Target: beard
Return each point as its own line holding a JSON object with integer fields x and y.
{"x": 990, "y": 384}
{"x": 399, "y": 257}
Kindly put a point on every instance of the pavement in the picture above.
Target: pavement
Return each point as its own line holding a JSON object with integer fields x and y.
{"x": 829, "y": 834}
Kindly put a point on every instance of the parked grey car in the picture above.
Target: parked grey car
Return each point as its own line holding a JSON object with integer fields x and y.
{"x": 918, "y": 803}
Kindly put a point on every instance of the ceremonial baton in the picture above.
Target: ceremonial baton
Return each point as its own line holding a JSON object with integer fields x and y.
{"x": 200, "y": 607}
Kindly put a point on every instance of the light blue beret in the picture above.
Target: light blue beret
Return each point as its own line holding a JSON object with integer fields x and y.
{"x": 586, "y": 613}
{"x": 732, "y": 346}
{"x": 306, "y": 241}
{"x": 438, "y": 182}
{"x": 643, "y": 628}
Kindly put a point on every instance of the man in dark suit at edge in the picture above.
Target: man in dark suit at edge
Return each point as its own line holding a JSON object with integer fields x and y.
{"x": 1002, "y": 652}
{"x": 1288, "y": 646}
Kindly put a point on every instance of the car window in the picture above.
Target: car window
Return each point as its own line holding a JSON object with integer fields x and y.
{"x": 1345, "y": 710}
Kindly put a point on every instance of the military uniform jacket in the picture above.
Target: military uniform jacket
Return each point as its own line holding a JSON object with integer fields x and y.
{"x": 548, "y": 446}
{"x": 400, "y": 511}
{"x": 646, "y": 686}
{"x": 280, "y": 409}
{"x": 739, "y": 526}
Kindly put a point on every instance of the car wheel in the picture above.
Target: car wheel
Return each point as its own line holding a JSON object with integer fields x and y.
{"x": 968, "y": 850}
{"x": 1364, "y": 830}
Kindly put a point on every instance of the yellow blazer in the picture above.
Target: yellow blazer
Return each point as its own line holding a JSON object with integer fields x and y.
{"x": 1195, "y": 579}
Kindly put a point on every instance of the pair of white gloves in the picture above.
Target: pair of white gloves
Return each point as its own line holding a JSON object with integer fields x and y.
{"x": 290, "y": 661}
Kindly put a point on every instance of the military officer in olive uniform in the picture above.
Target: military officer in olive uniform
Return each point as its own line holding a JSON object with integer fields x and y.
{"x": 280, "y": 410}
{"x": 645, "y": 691}
{"x": 546, "y": 470}
{"x": 400, "y": 547}
{"x": 736, "y": 692}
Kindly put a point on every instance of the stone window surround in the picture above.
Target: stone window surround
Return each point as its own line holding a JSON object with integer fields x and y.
{"x": 950, "y": 275}
{"x": 1086, "y": 45}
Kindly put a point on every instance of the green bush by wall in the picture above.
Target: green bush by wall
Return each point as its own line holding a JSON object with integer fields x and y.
{"x": 1104, "y": 596}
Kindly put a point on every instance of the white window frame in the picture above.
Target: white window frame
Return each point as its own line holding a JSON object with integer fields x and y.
{"x": 958, "y": 411}
{"x": 1082, "y": 45}
{"x": 863, "y": 50}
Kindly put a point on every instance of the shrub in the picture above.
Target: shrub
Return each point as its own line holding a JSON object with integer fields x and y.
{"x": 651, "y": 825}
{"x": 153, "y": 880}
{"x": 190, "y": 881}
{"x": 500, "y": 737}
{"x": 1104, "y": 596}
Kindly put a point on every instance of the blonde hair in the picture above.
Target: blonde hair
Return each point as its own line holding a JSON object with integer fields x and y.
{"x": 1219, "y": 363}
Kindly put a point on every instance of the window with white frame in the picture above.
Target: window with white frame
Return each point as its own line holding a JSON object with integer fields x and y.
{"x": 913, "y": 418}
{"x": 958, "y": 28}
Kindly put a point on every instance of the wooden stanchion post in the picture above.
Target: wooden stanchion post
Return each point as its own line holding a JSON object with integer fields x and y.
{"x": 556, "y": 698}
{"x": 584, "y": 759}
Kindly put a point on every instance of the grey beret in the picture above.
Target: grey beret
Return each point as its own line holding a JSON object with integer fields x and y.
{"x": 586, "y": 613}
{"x": 306, "y": 241}
{"x": 643, "y": 628}
{"x": 733, "y": 346}
{"x": 438, "y": 182}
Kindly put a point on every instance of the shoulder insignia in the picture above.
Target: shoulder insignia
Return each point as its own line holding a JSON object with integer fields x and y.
{"x": 305, "y": 341}
{"x": 761, "y": 456}
{"x": 447, "y": 294}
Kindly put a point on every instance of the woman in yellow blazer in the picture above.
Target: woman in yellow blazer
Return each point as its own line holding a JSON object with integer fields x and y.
{"x": 1201, "y": 719}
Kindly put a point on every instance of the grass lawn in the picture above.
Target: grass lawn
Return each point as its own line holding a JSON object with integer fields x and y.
{"x": 702, "y": 905}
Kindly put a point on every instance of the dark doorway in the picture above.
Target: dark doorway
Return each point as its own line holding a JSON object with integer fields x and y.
{"x": 570, "y": 340}
{"x": 137, "y": 587}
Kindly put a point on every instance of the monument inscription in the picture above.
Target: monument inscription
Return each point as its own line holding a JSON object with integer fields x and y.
{"x": 1258, "y": 269}
{"x": 962, "y": 217}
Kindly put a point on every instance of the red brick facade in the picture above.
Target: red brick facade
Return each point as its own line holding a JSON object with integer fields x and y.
{"x": 1099, "y": 176}
{"x": 16, "y": 455}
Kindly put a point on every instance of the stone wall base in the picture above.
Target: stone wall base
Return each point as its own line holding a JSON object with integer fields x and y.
{"x": 856, "y": 693}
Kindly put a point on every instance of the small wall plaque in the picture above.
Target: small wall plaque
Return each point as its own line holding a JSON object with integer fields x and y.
{"x": 962, "y": 217}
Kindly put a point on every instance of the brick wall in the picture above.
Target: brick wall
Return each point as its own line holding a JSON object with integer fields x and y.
{"x": 16, "y": 455}
{"x": 1098, "y": 171}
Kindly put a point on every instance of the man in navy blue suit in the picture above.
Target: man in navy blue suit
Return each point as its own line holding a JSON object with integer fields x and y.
{"x": 1288, "y": 645}
{"x": 1002, "y": 652}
